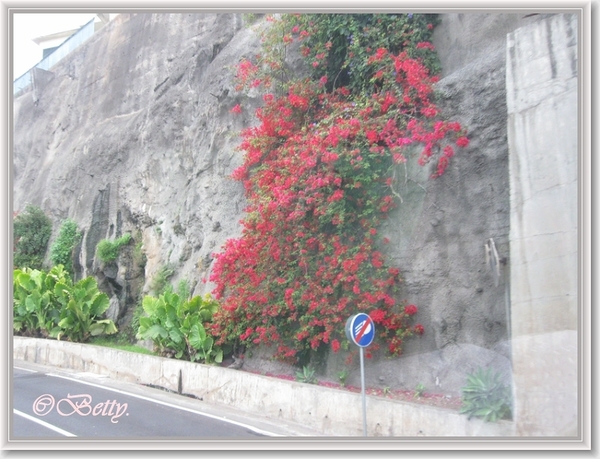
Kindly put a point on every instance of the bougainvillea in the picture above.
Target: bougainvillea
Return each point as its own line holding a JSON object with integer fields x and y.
{"x": 318, "y": 177}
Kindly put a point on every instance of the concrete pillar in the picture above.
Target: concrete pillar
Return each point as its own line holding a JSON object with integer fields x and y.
{"x": 542, "y": 101}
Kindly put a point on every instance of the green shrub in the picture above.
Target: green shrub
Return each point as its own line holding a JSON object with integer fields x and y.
{"x": 35, "y": 310}
{"x": 348, "y": 40}
{"x": 61, "y": 252}
{"x": 419, "y": 390}
{"x": 306, "y": 375}
{"x": 32, "y": 230}
{"x": 82, "y": 308}
{"x": 108, "y": 251}
{"x": 485, "y": 396}
{"x": 160, "y": 282}
{"x": 139, "y": 257}
{"x": 183, "y": 289}
{"x": 343, "y": 376}
{"x": 249, "y": 18}
{"x": 176, "y": 325}
{"x": 48, "y": 304}
{"x": 135, "y": 319}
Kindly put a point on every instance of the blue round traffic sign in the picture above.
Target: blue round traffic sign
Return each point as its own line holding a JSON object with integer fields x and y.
{"x": 360, "y": 329}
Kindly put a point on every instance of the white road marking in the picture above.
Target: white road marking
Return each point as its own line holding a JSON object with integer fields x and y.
{"x": 44, "y": 423}
{"x": 254, "y": 429}
{"x": 26, "y": 369}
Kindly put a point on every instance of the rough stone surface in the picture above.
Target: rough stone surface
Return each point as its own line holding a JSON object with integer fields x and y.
{"x": 131, "y": 136}
{"x": 133, "y": 133}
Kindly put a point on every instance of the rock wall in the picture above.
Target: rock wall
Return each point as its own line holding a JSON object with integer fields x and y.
{"x": 133, "y": 133}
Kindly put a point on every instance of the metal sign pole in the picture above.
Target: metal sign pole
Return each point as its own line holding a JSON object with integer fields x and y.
{"x": 362, "y": 385}
{"x": 360, "y": 330}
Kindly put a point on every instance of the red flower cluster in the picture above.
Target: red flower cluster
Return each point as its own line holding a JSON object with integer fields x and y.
{"x": 425, "y": 45}
{"x": 317, "y": 180}
{"x": 246, "y": 71}
{"x": 411, "y": 309}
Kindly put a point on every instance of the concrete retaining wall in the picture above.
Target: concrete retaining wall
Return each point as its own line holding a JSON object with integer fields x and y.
{"x": 542, "y": 101}
{"x": 330, "y": 411}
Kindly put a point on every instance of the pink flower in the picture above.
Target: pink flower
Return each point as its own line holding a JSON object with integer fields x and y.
{"x": 336, "y": 196}
{"x": 298, "y": 101}
{"x": 372, "y": 136}
{"x": 335, "y": 345}
{"x": 462, "y": 141}
{"x": 246, "y": 334}
{"x": 411, "y": 309}
{"x": 399, "y": 158}
{"x": 377, "y": 263}
{"x": 237, "y": 109}
{"x": 379, "y": 54}
{"x": 429, "y": 112}
{"x": 377, "y": 315}
{"x": 419, "y": 330}
{"x": 425, "y": 45}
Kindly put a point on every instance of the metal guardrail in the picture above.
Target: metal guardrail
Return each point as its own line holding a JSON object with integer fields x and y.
{"x": 70, "y": 44}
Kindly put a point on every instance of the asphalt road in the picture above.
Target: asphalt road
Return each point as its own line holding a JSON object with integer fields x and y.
{"x": 49, "y": 405}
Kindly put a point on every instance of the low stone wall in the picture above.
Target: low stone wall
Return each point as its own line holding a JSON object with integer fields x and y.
{"x": 330, "y": 411}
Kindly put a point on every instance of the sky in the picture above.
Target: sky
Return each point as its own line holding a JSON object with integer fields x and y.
{"x": 27, "y": 26}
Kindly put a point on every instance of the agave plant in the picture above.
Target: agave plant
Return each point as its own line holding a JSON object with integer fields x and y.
{"x": 306, "y": 375}
{"x": 486, "y": 396}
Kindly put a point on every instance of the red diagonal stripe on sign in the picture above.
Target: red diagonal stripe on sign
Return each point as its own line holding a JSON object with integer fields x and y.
{"x": 363, "y": 329}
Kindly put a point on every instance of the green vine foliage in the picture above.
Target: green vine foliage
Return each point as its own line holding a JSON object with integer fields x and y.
{"x": 32, "y": 230}
{"x": 341, "y": 44}
{"x": 337, "y": 48}
{"x": 61, "y": 252}
{"x": 108, "y": 251}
